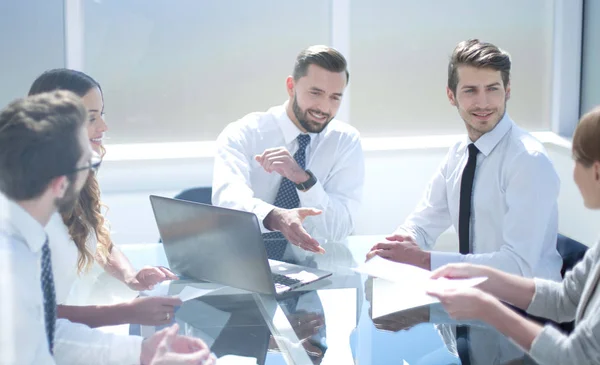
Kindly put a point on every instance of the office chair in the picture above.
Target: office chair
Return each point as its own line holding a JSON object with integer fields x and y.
{"x": 198, "y": 195}
{"x": 571, "y": 252}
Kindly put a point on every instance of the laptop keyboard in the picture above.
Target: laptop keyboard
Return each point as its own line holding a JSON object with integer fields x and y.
{"x": 283, "y": 280}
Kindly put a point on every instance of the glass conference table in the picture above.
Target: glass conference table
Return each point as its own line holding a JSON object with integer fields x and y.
{"x": 328, "y": 322}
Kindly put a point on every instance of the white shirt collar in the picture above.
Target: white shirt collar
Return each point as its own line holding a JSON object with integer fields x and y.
{"x": 19, "y": 221}
{"x": 288, "y": 128}
{"x": 486, "y": 143}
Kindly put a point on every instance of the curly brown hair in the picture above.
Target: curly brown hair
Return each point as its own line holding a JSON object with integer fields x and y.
{"x": 86, "y": 218}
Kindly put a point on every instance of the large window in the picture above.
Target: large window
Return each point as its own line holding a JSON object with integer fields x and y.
{"x": 31, "y": 41}
{"x": 400, "y": 52}
{"x": 182, "y": 70}
{"x": 590, "y": 72}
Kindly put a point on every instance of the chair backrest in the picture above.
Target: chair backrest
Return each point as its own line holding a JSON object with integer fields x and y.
{"x": 571, "y": 252}
{"x": 199, "y": 195}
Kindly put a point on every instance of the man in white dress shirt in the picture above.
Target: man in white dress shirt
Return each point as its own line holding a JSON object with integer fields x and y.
{"x": 45, "y": 158}
{"x": 497, "y": 187}
{"x": 296, "y": 167}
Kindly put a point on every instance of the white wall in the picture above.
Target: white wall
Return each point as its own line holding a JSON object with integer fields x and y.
{"x": 395, "y": 180}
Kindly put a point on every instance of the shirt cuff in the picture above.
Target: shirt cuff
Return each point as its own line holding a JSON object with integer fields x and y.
{"x": 126, "y": 350}
{"x": 439, "y": 259}
{"x": 262, "y": 209}
{"x": 545, "y": 344}
{"x": 538, "y": 302}
{"x": 315, "y": 197}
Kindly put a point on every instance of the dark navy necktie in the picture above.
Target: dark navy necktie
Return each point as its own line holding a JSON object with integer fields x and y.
{"x": 466, "y": 193}
{"x": 287, "y": 198}
{"x": 47, "y": 281}
{"x": 464, "y": 239}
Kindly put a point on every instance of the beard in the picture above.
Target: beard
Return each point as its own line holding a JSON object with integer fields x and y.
{"x": 305, "y": 122}
{"x": 67, "y": 202}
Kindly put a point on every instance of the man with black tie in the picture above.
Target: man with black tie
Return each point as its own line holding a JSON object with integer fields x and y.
{"x": 497, "y": 187}
{"x": 296, "y": 167}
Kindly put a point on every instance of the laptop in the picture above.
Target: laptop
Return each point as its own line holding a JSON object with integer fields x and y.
{"x": 224, "y": 246}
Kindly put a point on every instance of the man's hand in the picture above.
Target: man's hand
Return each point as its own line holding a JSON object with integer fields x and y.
{"x": 289, "y": 223}
{"x": 149, "y": 276}
{"x": 403, "y": 249}
{"x": 166, "y": 347}
{"x": 305, "y": 325}
{"x": 280, "y": 160}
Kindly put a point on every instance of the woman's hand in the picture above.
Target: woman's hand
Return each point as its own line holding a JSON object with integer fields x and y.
{"x": 466, "y": 303}
{"x": 149, "y": 276}
{"x": 152, "y": 311}
{"x": 460, "y": 271}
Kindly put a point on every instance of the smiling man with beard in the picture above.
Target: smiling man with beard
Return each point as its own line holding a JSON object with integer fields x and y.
{"x": 296, "y": 167}
{"x": 497, "y": 187}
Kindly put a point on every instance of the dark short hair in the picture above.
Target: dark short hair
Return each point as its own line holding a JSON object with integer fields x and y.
{"x": 322, "y": 56}
{"x": 478, "y": 54}
{"x": 63, "y": 79}
{"x": 38, "y": 142}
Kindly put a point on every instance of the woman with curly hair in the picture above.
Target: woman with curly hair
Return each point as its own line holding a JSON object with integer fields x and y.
{"x": 86, "y": 226}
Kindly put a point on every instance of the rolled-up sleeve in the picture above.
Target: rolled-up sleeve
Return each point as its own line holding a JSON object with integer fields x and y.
{"x": 339, "y": 196}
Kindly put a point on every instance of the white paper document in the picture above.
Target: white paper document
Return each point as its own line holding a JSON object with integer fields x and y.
{"x": 189, "y": 292}
{"x": 398, "y": 287}
{"x": 236, "y": 360}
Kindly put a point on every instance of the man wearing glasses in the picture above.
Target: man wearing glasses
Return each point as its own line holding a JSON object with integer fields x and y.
{"x": 45, "y": 159}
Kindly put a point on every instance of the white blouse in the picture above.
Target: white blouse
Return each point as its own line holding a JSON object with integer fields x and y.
{"x": 71, "y": 287}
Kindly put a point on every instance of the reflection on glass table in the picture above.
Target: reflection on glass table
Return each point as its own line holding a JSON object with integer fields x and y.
{"x": 326, "y": 322}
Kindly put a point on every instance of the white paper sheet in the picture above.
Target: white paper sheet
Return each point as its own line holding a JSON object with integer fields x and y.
{"x": 390, "y": 297}
{"x": 190, "y": 292}
{"x": 236, "y": 360}
{"x": 187, "y": 293}
{"x": 392, "y": 271}
{"x": 398, "y": 287}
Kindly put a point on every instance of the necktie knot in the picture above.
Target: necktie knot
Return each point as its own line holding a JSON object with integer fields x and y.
{"x": 303, "y": 141}
{"x": 473, "y": 150}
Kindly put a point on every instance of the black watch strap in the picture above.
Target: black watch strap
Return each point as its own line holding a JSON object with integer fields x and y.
{"x": 312, "y": 180}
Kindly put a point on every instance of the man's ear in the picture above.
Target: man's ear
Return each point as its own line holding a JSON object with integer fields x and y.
{"x": 596, "y": 167}
{"x": 451, "y": 96}
{"x": 290, "y": 86}
{"x": 58, "y": 186}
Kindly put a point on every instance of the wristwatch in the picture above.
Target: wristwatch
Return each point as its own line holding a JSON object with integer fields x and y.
{"x": 312, "y": 180}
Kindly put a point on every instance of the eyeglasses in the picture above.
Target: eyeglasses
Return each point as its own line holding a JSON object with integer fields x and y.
{"x": 92, "y": 165}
